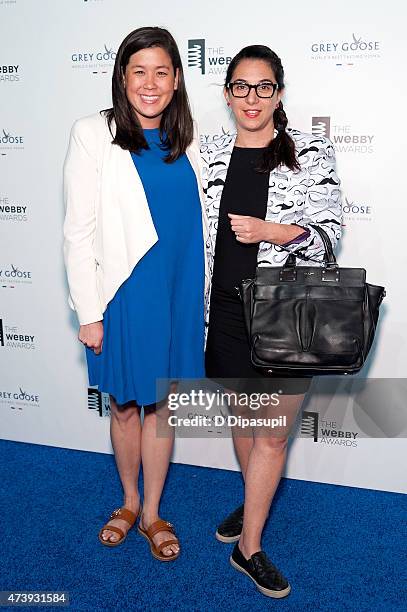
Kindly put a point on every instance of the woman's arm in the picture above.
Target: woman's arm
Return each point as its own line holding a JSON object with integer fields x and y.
{"x": 322, "y": 204}
{"x": 322, "y": 207}
{"x": 251, "y": 229}
{"x": 80, "y": 189}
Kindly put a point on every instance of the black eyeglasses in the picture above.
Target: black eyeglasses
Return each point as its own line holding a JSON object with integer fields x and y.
{"x": 240, "y": 89}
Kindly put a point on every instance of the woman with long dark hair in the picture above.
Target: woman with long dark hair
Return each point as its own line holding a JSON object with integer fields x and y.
{"x": 264, "y": 188}
{"x": 136, "y": 268}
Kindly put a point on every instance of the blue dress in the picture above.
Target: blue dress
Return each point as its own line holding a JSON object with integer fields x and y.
{"x": 154, "y": 325}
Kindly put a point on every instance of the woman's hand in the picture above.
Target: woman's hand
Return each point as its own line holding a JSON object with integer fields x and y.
{"x": 250, "y": 230}
{"x": 91, "y": 335}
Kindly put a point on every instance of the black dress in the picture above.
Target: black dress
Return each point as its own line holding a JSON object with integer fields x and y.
{"x": 228, "y": 351}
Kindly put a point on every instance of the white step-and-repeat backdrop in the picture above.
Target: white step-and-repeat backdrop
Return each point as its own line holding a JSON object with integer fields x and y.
{"x": 344, "y": 79}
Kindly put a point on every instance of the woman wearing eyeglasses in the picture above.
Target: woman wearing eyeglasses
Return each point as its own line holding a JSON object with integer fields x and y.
{"x": 264, "y": 186}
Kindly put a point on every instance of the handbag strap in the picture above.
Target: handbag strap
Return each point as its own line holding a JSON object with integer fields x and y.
{"x": 329, "y": 257}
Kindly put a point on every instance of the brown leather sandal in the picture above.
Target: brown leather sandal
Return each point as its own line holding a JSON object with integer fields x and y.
{"x": 156, "y": 551}
{"x": 120, "y": 513}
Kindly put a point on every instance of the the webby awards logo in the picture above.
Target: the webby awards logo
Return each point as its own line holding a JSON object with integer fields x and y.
{"x": 196, "y": 54}
{"x": 344, "y": 137}
{"x": 98, "y": 402}
{"x": 13, "y": 337}
{"x": 207, "y": 59}
{"x": 12, "y": 211}
{"x": 326, "y": 432}
{"x": 9, "y": 73}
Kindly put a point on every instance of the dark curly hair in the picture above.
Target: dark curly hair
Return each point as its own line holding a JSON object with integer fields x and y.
{"x": 281, "y": 150}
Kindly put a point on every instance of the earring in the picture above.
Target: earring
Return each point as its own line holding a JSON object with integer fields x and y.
{"x": 228, "y": 103}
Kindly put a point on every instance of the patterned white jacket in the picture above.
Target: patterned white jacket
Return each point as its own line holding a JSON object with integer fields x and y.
{"x": 310, "y": 195}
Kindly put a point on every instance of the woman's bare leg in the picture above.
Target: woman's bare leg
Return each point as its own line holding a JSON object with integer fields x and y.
{"x": 125, "y": 431}
{"x": 263, "y": 473}
{"x": 242, "y": 438}
{"x": 243, "y": 444}
{"x": 157, "y": 442}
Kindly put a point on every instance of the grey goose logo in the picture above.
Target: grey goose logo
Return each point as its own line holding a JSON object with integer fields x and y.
{"x": 356, "y": 211}
{"x": 309, "y": 425}
{"x": 196, "y": 54}
{"x": 106, "y": 55}
{"x": 13, "y": 275}
{"x": 10, "y": 142}
{"x": 321, "y": 126}
{"x": 96, "y": 61}
{"x": 7, "y": 138}
{"x": 356, "y": 44}
{"x": 17, "y": 400}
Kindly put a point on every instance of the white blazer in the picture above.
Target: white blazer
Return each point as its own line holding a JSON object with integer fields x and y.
{"x": 108, "y": 226}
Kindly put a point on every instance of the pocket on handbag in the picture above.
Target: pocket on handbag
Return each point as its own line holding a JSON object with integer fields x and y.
{"x": 295, "y": 332}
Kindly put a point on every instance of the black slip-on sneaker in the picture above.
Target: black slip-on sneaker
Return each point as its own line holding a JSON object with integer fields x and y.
{"x": 230, "y": 529}
{"x": 268, "y": 579}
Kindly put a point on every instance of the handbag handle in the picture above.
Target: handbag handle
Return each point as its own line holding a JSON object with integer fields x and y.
{"x": 329, "y": 257}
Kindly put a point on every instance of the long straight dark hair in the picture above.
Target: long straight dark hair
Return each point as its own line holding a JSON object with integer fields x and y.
{"x": 176, "y": 121}
{"x": 281, "y": 150}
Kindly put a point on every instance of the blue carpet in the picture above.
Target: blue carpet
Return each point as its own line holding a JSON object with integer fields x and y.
{"x": 341, "y": 548}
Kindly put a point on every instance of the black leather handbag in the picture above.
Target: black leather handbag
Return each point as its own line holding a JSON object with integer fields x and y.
{"x": 310, "y": 321}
